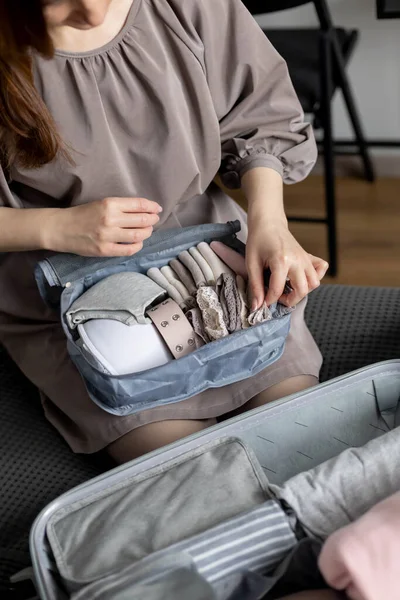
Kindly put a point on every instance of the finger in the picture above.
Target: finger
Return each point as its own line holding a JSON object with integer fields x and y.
{"x": 138, "y": 205}
{"x": 320, "y": 266}
{"x": 313, "y": 280}
{"x": 135, "y": 220}
{"x": 299, "y": 285}
{"x": 277, "y": 283}
{"x": 110, "y": 250}
{"x": 255, "y": 269}
{"x": 131, "y": 236}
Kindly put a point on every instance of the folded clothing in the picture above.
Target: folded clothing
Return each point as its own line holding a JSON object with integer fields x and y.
{"x": 211, "y": 313}
{"x": 194, "y": 269}
{"x": 171, "y": 502}
{"x": 256, "y": 541}
{"x": 244, "y": 302}
{"x": 184, "y": 275}
{"x": 231, "y": 303}
{"x": 335, "y": 493}
{"x": 230, "y": 257}
{"x": 172, "y": 579}
{"x": 159, "y": 278}
{"x": 217, "y": 266}
{"x": 177, "y": 283}
{"x": 123, "y": 297}
{"x": 204, "y": 266}
{"x": 363, "y": 558}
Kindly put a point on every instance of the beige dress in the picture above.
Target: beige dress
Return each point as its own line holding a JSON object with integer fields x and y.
{"x": 185, "y": 90}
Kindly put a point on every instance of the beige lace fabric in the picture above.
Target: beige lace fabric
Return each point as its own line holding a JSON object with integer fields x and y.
{"x": 260, "y": 315}
{"x": 211, "y": 312}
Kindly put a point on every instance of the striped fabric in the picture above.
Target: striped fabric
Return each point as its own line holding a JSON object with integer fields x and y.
{"x": 256, "y": 541}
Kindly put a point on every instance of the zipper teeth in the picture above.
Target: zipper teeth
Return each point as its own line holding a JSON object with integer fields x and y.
{"x": 149, "y": 249}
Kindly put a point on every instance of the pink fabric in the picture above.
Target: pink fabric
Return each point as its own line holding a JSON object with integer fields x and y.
{"x": 233, "y": 259}
{"x": 362, "y": 559}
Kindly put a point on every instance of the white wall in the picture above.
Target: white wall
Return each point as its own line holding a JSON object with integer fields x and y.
{"x": 374, "y": 70}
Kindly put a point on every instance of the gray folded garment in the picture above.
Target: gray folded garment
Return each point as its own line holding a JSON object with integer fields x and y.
{"x": 122, "y": 297}
{"x": 256, "y": 541}
{"x": 172, "y": 578}
{"x": 155, "y": 509}
{"x": 342, "y": 489}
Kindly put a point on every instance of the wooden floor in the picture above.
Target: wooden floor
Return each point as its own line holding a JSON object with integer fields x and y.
{"x": 369, "y": 228}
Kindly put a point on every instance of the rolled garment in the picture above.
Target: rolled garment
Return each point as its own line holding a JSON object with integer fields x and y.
{"x": 266, "y": 314}
{"x": 196, "y": 320}
{"x": 204, "y": 266}
{"x": 184, "y": 292}
{"x": 260, "y": 315}
{"x": 244, "y": 308}
{"x": 211, "y": 312}
{"x": 237, "y": 263}
{"x": 188, "y": 261}
{"x": 121, "y": 297}
{"x": 341, "y": 490}
{"x": 245, "y": 304}
{"x": 156, "y": 275}
{"x": 217, "y": 266}
{"x": 228, "y": 295}
{"x": 173, "y": 280}
{"x": 230, "y": 257}
{"x": 363, "y": 558}
{"x": 184, "y": 276}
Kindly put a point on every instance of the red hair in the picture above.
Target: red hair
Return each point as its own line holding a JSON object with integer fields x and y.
{"x": 28, "y": 133}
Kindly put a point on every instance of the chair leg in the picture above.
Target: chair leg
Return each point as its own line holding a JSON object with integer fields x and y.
{"x": 344, "y": 85}
{"x": 329, "y": 151}
{"x": 325, "y": 19}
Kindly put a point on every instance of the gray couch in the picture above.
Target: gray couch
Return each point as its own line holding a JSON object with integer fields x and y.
{"x": 353, "y": 326}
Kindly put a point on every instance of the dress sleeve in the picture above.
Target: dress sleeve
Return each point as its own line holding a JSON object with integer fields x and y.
{"x": 261, "y": 119}
{"x": 6, "y": 196}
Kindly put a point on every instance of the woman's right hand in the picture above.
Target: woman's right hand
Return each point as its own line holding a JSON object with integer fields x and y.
{"x": 109, "y": 227}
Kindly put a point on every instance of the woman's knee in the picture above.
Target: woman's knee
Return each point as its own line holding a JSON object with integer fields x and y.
{"x": 289, "y": 386}
{"x": 150, "y": 437}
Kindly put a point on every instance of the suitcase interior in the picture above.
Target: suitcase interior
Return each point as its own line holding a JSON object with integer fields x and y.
{"x": 288, "y": 437}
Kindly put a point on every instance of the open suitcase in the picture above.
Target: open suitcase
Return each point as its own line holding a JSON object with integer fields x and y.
{"x": 72, "y": 544}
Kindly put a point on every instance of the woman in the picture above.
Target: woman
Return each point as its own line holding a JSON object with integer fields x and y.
{"x": 122, "y": 129}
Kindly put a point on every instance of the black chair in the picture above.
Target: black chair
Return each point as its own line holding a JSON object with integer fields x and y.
{"x": 317, "y": 60}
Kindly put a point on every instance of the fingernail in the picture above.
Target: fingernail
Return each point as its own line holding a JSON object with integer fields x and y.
{"x": 254, "y": 305}
{"x": 160, "y": 209}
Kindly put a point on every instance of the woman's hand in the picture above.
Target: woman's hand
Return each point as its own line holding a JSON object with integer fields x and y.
{"x": 271, "y": 245}
{"x": 109, "y": 227}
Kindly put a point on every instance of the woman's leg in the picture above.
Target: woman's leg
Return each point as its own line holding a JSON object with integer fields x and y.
{"x": 155, "y": 435}
{"x": 289, "y": 386}
{"x": 282, "y": 389}
{"x": 40, "y": 352}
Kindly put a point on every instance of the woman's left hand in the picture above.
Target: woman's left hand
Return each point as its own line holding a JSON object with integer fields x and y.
{"x": 271, "y": 245}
